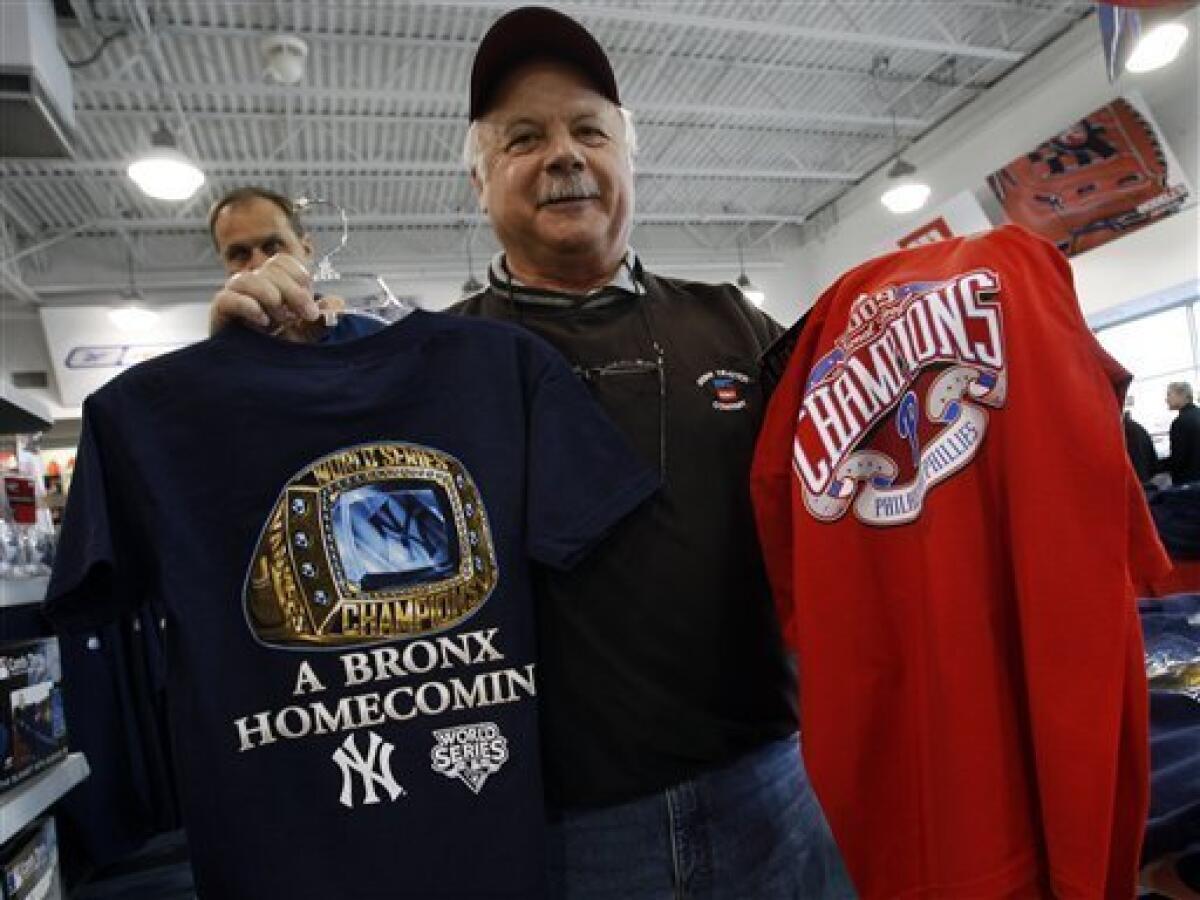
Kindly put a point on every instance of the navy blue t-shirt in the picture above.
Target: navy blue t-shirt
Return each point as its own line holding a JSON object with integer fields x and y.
{"x": 340, "y": 537}
{"x": 351, "y": 326}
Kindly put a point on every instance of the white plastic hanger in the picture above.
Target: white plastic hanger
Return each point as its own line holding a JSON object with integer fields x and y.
{"x": 363, "y": 293}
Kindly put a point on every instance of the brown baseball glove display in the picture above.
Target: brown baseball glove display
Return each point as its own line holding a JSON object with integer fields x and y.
{"x": 1103, "y": 176}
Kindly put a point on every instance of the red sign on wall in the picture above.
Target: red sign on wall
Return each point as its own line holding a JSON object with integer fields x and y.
{"x": 19, "y": 491}
{"x": 929, "y": 233}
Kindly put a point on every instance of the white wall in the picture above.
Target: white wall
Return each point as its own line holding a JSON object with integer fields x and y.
{"x": 1063, "y": 83}
{"x": 23, "y": 349}
{"x": 1161, "y": 258}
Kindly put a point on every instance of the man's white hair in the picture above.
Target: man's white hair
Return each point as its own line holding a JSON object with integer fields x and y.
{"x": 473, "y": 146}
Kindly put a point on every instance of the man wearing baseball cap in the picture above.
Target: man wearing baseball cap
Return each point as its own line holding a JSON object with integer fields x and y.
{"x": 669, "y": 730}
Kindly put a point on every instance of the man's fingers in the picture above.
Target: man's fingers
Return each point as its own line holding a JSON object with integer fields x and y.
{"x": 288, "y": 264}
{"x": 298, "y": 300}
{"x": 278, "y": 294}
{"x": 231, "y": 306}
{"x": 258, "y": 286}
{"x": 294, "y": 282}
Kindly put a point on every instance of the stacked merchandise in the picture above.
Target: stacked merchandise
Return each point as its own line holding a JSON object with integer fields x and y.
{"x": 27, "y": 530}
{"x": 33, "y": 729}
{"x": 30, "y": 863}
{"x": 1176, "y": 512}
{"x": 1171, "y": 626}
{"x": 59, "y": 467}
{"x": 953, "y": 530}
{"x": 110, "y": 678}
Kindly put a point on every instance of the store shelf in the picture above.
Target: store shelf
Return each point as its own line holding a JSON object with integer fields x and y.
{"x": 21, "y": 413}
{"x": 29, "y": 799}
{"x": 52, "y": 886}
{"x": 23, "y": 591}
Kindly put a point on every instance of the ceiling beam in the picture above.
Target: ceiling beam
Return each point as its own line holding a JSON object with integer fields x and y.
{"x": 11, "y": 283}
{"x": 655, "y": 114}
{"x": 143, "y": 23}
{"x": 651, "y": 16}
{"x": 455, "y": 104}
{"x": 773, "y": 115}
{"x": 399, "y": 169}
{"x": 738, "y": 173}
{"x": 46, "y": 241}
{"x": 205, "y": 29}
{"x": 761, "y": 28}
{"x": 619, "y": 55}
{"x": 16, "y": 216}
{"x": 86, "y": 19}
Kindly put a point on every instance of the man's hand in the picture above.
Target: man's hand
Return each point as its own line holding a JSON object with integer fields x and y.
{"x": 277, "y": 296}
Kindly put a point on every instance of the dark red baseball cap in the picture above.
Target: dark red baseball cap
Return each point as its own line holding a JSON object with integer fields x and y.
{"x": 531, "y": 33}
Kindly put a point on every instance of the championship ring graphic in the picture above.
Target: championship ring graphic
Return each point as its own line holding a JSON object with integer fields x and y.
{"x": 470, "y": 753}
{"x": 370, "y": 544}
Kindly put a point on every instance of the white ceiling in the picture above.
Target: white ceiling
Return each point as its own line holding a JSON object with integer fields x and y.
{"x": 752, "y": 116}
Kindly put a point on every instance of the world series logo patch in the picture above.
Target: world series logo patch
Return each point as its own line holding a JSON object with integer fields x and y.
{"x": 470, "y": 753}
{"x": 900, "y": 403}
{"x": 370, "y": 544}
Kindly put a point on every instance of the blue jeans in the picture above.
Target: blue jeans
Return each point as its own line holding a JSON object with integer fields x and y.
{"x": 750, "y": 831}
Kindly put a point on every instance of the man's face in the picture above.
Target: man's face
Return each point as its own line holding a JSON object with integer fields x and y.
{"x": 1176, "y": 400}
{"x": 250, "y": 232}
{"x": 555, "y": 176}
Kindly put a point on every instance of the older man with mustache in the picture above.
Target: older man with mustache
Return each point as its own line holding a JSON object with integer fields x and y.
{"x": 669, "y": 731}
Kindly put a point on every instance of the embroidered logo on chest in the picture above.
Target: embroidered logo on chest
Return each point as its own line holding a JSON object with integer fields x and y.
{"x": 726, "y": 388}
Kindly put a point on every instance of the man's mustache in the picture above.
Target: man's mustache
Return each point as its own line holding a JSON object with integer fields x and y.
{"x": 578, "y": 186}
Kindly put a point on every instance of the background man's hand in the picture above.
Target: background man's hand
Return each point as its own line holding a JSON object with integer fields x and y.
{"x": 277, "y": 297}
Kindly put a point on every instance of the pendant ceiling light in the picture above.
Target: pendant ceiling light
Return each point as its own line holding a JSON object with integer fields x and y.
{"x": 906, "y": 192}
{"x": 472, "y": 285}
{"x": 133, "y": 317}
{"x": 749, "y": 289}
{"x": 164, "y": 172}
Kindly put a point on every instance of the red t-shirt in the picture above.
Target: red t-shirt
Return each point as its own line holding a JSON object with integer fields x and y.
{"x": 951, "y": 527}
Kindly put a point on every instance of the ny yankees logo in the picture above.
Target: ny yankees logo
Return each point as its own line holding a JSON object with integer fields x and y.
{"x": 374, "y": 769}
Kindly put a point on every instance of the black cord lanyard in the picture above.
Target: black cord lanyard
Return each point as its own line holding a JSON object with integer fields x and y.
{"x": 618, "y": 366}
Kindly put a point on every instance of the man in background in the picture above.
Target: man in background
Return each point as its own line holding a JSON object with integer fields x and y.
{"x": 1139, "y": 445}
{"x": 266, "y": 251}
{"x": 1184, "y": 460}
